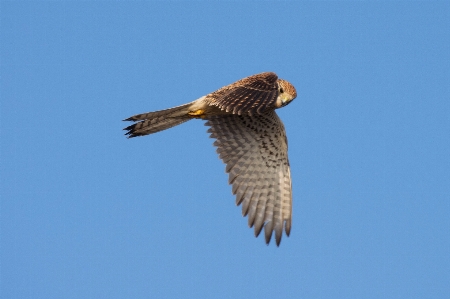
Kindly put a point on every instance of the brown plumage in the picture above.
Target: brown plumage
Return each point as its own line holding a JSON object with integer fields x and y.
{"x": 250, "y": 140}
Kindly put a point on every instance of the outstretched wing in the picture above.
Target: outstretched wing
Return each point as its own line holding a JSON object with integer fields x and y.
{"x": 249, "y": 96}
{"x": 254, "y": 148}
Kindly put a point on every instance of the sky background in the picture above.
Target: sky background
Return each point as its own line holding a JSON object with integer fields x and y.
{"x": 87, "y": 213}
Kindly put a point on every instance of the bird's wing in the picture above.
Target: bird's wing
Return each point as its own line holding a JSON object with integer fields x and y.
{"x": 249, "y": 96}
{"x": 254, "y": 149}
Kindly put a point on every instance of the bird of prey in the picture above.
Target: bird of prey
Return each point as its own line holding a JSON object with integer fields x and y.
{"x": 250, "y": 140}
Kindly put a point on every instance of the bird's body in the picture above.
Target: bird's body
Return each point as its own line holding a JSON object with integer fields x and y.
{"x": 251, "y": 141}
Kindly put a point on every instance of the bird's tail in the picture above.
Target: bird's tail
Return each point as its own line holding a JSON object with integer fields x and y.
{"x": 152, "y": 122}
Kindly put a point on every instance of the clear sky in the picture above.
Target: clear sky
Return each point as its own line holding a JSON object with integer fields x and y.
{"x": 87, "y": 213}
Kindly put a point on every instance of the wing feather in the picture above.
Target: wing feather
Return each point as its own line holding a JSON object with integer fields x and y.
{"x": 254, "y": 149}
{"x": 252, "y": 95}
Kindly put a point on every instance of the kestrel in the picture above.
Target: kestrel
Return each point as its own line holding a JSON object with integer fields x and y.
{"x": 251, "y": 141}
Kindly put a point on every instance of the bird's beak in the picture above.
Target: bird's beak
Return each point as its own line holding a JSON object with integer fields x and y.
{"x": 285, "y": 100}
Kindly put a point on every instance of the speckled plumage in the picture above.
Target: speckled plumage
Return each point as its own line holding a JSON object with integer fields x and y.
{"x": 250, "y": 140}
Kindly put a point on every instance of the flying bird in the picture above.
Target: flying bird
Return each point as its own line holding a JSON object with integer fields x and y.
{"x": 250, "y": 140}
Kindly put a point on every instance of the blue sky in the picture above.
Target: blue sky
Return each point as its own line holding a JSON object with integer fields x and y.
{"x": 87, "y": 213}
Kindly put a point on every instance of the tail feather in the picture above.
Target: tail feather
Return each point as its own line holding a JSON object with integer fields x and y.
{"x": 152, "y": 122}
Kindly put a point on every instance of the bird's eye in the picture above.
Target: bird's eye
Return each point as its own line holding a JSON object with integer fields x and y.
{"x": 281, "y": 90}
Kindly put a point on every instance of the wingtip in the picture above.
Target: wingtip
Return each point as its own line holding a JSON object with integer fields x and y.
{"x": 268, "y": 230}
{"x": 278, "y": 240}
{"x": 287, "y": 227}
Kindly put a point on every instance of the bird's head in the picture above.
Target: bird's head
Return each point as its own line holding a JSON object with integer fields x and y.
{"x": 286, "y": 93}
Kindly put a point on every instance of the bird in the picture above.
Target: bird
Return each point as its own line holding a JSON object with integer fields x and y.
{"x": 250, "y": 139}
